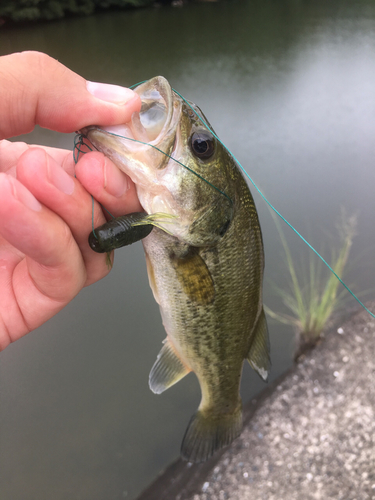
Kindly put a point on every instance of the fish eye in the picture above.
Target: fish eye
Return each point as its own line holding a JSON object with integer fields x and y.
{"x": 202, "y": 144}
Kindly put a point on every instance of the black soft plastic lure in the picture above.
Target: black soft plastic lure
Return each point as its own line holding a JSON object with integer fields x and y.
{"x": 120, "y": 232}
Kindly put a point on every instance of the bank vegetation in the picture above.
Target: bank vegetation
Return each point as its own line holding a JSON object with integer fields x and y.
{"x": 34, "y": 10}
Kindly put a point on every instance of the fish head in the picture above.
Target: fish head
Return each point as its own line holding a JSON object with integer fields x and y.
{"x": 177, "y": 164}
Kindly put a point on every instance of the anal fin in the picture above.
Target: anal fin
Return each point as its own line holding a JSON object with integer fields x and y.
{"x": 259, "y": 352}
{"x": 168, "y": 369}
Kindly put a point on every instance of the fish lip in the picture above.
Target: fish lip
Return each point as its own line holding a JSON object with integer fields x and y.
{"x": 161, "y": 86}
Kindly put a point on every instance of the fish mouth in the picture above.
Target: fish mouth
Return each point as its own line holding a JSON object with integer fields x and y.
{"x": 150, "y": 125}
{"x": 143, "y": 147}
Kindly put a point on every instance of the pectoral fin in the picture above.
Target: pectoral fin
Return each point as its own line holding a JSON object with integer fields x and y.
{"x": 195, "y": 278}
{"x": 167, "y": 370}
{"x": 259, "y": 353}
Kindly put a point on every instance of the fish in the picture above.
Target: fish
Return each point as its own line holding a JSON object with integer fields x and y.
{"x": 205, "y": 257}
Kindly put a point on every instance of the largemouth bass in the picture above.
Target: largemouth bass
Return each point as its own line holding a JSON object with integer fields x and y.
{"x": 204, "y": 259}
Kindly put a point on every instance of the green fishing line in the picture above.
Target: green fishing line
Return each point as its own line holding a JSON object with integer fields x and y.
{"x": 174, "y": 159}
{"x": 276, "y": 211}
{"x": 78, "y": 149}
{"x": 92, "y": 216}
{"x": 78, "y": 143}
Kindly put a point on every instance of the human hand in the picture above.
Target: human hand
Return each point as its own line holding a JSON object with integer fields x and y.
{"x": 46, "y": 213}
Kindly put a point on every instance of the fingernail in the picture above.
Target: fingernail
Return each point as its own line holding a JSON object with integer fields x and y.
{"x": 116, "y": 183}
{"x": 19, "y": 192}
{"x": 60, "y": 179}
{"x": 110, "y": 93}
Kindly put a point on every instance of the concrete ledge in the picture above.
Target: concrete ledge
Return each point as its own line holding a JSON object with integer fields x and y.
{"x": 311, "y": 435}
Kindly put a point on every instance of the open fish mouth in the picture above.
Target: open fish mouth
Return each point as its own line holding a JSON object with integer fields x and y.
{"x": 143, "y": 147}
{"x": 152, "y": 122}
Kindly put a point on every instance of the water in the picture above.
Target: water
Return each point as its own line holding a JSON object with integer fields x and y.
{"x": 288, "y": 86}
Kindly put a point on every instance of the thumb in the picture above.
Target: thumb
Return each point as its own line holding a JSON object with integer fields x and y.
{"x": 36, "y": 89}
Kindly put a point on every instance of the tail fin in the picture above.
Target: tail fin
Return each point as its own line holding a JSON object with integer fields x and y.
{"x": 207, "y": 433}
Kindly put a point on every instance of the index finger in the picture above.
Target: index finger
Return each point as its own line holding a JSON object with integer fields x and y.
{"x": 37, "y": 89}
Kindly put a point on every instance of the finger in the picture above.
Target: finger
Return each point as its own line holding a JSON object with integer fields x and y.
{"x": 108, "y": 185}
{"x": 65, "y": 196}
{"x": 10, "y": 153}
{"x": 37, "y": 89}
{"x": 52, "y": 272}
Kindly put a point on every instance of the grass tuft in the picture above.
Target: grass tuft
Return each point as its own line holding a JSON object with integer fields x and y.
{"x": 312, "y": 297}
